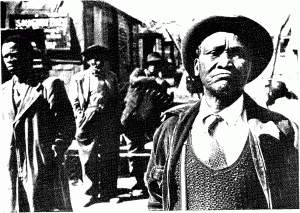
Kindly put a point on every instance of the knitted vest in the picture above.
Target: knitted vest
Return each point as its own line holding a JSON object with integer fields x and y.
{"x": 234, "y": 187}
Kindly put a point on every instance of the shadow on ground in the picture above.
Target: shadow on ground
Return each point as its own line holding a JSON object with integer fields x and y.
{"x": 124, "y": 195}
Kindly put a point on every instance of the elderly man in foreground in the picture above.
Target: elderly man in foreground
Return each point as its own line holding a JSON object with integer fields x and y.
{"x": 225, "y": 151}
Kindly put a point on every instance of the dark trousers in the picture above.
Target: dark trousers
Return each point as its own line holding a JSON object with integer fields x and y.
{"x": 101, "y": 168}
{"x": 136, "y": 132}
{"x": 100, "y": 156}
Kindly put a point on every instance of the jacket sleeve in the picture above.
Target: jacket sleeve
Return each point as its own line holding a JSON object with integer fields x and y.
{"x": 283, "y": 167}
{"x": 156, "y": 169}
{"x": 137, "y": 77}
{"x": 61, "y": 109}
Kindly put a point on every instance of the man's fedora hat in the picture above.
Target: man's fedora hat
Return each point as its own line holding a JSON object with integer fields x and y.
{"x": 250, "y": 32}
{"x": 94, "y": 50}
{"x": 154, "y": 58}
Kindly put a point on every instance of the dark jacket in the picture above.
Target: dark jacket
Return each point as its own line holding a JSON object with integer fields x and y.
{"x": 145, "y": 100}
{"x": 44, "y": 119}
{"x": 273, "y": 151}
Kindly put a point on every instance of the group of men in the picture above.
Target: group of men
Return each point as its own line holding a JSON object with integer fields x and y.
{"x": 41, "y": 120}
{"x": 222, "y": 152}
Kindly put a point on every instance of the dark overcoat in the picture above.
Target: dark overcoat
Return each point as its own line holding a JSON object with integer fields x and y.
{"x": 44, "y": 119}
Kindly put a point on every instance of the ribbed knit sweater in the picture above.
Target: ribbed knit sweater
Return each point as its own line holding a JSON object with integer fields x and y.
{"x": 234, "y": 187}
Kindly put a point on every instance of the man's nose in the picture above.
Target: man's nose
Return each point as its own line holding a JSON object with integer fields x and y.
{"x": 224, "y": 61}
{"x": 97, "y": 62}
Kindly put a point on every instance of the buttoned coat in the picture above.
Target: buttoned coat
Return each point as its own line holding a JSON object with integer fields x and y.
{"x": 44, "y": 119}
{"x": 274, "y": 150}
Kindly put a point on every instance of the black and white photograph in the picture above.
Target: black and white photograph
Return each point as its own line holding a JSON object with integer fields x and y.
{"x": 149, "y": 105}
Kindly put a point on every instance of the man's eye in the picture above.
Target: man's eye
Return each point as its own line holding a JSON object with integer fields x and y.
{"x": 237, "y": 52}
{"x": 214, "y": 53}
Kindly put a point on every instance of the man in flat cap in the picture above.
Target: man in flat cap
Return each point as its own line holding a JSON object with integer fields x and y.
{"x": 225, "y": 151}
{"x": 146, "y": 98}
{"x": 94, "y": 97}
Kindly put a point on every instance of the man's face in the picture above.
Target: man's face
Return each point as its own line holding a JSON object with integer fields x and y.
{"x": 96, "y": 64}
{"x": 224, "y": 64}
{"x": 153, "y": 69}
{"x": 13, "y": 58}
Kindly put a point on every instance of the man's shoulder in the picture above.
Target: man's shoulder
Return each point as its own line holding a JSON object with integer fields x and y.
{"x": 138, "y": 71}
{"x": 48, "y": 82}
{"x": 6, "y": 83}
{"x": 262, "y": 113}
{"x": 180, "y": 108}
{"x": 263, "y": 117}
{"x": 79, "y": 74}
{"x": 177, "y": 111}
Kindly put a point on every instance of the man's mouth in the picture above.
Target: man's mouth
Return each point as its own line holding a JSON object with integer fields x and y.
{"x": 223, "y": 75}
{"x": 10, "y": 68}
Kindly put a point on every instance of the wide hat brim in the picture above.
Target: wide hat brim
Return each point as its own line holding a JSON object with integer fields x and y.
{"x": 154, "y": 58}
{"x": 253, "y": 34}
{"x": 94, "y": 50}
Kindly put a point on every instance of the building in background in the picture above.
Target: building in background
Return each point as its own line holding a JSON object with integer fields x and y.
{"x": 72, "y": 26}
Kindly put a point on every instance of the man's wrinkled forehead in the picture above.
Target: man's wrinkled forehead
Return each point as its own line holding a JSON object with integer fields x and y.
{"x": 221, "y": 39}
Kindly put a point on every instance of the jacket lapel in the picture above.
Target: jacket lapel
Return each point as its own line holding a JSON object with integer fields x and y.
{"x": 84, "y": 87}
{"x": 32, "y": 94}
{"x": 180, "y": 135}
{"x": 256, "y": 128}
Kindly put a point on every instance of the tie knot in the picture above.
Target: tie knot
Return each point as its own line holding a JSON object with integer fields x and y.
{"x": 211, "y": 122}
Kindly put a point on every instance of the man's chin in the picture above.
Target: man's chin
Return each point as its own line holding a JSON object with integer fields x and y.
{"x": 10, "y": 69}
{"x": 221, "y": 86}
{"x": 224, "y": 88}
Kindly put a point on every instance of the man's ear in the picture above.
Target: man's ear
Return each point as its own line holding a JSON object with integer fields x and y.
{"x": 196, "y": 67}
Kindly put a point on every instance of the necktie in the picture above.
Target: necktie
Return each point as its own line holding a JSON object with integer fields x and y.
{"x": 217, "y": 158}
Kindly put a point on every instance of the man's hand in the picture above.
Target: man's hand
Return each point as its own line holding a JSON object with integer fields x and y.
{"x": 88, "y": 114}
{"x": 58, "y": 152}
{"x": 159, "y": 81}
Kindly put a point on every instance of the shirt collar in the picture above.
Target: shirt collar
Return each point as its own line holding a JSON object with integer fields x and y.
{"x": 229, "y": 114}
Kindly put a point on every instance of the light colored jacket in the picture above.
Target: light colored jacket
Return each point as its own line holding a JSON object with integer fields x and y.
{"x": 79, "y": 91}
